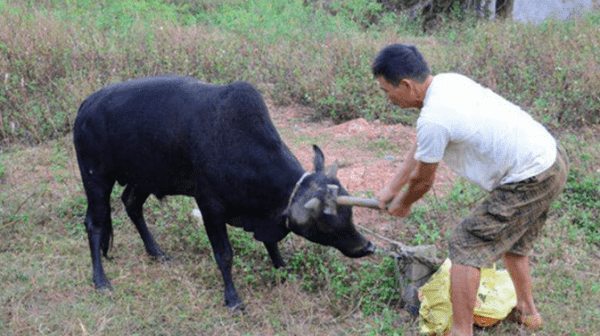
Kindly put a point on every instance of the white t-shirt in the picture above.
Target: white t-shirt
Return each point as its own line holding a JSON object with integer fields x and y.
{"x": 480, "y": 135}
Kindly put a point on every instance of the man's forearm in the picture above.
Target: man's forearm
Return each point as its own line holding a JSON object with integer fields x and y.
{"x": 416, "y": 189}
{"x": 420, "y": 183}
{"x": 404, "y": 171}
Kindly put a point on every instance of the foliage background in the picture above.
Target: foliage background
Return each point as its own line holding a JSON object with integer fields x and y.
{"x": 54, "y": 53}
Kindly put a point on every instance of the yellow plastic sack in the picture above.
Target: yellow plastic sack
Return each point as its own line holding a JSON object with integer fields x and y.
{"x": 495, "y": 299}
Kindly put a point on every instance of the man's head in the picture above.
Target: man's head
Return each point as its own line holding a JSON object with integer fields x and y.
{"x": 403, "y": 74}
{"x": 399, "y": 61}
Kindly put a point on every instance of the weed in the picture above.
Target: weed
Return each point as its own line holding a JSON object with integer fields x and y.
{"x": 383, "y": 147}
{"x": 386, "y": 324}
{"x": 428, "y": 231}
{"x": 582, "y": 195}
{"x": 381, "y": 282}
{"x": 464, "y": 195}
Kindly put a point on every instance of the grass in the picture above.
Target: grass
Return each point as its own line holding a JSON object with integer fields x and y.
{"x": 53, "y": 54}
{"x": 48, "y": 281}
{"x": 47, "y": 273}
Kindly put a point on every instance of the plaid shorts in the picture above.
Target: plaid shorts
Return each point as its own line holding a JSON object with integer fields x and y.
{"x": 509, "y": 219}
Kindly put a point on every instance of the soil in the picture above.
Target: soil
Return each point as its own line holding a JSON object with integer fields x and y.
{"x": 364, "y": 167}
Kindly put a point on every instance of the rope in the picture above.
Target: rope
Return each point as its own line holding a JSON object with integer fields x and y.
{"x": 287, "y": 220}
{"x": 406, "y": 284}
{"x": 400, "y": 251}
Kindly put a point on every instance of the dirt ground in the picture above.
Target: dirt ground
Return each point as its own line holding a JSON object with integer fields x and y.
{"x": 364, "y": 167}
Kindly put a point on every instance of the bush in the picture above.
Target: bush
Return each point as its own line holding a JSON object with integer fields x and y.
{"x": 53, "y": 54}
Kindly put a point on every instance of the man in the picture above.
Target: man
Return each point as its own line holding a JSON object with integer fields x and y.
{"x": 490, "y": 142}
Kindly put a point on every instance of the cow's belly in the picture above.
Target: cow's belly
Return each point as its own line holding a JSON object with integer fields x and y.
{"x": 160, "y": 182}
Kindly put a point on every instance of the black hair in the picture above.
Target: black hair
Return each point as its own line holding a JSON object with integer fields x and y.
{"x": 399, "y": 61}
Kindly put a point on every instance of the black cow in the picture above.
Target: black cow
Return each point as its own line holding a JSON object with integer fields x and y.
{"x": 173, "y": 135}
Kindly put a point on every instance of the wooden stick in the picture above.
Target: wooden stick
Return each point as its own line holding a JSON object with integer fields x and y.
{"x": 357, "y": 201}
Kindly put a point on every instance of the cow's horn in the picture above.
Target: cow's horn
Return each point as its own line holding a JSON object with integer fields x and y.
{"x": 357, "y": 201}
{"x": 312, "y": 203}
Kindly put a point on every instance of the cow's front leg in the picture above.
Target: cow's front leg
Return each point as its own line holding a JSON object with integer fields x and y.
{"x": 217, "y": 234}
{"x": 274, "y": 254}
{"x": 216, "y": 229}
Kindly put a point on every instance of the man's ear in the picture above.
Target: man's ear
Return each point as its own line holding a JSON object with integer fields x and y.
{"x": 407, "y": 83}
{"x": 411, "y": 86}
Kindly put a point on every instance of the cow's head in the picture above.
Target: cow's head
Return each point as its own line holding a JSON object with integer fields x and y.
{"x": 312, "y": 214}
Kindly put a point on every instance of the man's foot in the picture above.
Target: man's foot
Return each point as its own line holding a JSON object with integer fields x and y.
{"x": 532, "y": 322}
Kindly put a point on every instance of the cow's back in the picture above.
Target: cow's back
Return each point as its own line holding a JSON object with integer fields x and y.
{"x": 167, "y": 134}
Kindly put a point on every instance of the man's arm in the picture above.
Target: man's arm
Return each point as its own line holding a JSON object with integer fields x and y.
{"x": 402, "y": 176}
{"x": 420, "y": 182}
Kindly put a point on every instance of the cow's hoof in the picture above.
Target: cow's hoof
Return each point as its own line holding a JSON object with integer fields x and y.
{"x": 103, "y": 286}
{"x": 282, "y": 274}
{"x": 162, "y": 257}
{"x": 236, "y": 309}
{"x": 159, "y": 255}
{"x": 105, "y": 255}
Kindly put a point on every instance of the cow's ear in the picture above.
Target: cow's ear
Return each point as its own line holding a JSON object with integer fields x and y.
{"x": 319, "y": 159}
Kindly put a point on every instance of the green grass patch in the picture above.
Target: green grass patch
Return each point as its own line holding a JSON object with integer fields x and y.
{"x": 48, "y": 286}
{"x": 582, "y": 197}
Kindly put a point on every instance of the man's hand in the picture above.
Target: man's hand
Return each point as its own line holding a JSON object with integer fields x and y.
{"x": 420, "y": 182}
{"x": 391, "y": 203}
{"x": 401, "y": 177}
{"x": 398, "y": 208}
{"x": 384, "y": 196}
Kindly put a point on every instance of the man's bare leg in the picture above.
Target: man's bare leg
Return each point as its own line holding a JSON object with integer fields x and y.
{"x": 518, "y": 268}
{"x": 464, "y": 283}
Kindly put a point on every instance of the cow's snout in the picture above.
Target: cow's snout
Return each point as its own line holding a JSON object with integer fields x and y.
{"x": 362, "y": 251}
{"x": 369, "y": 249}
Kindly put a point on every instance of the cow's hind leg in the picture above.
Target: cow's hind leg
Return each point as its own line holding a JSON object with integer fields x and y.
{"x": 98, "y": 225}
{"x": 134, "y": 199}
{"x": 216, "y": 229}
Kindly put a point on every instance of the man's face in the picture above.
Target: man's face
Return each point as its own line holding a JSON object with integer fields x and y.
{"x": 400, "y": 95}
